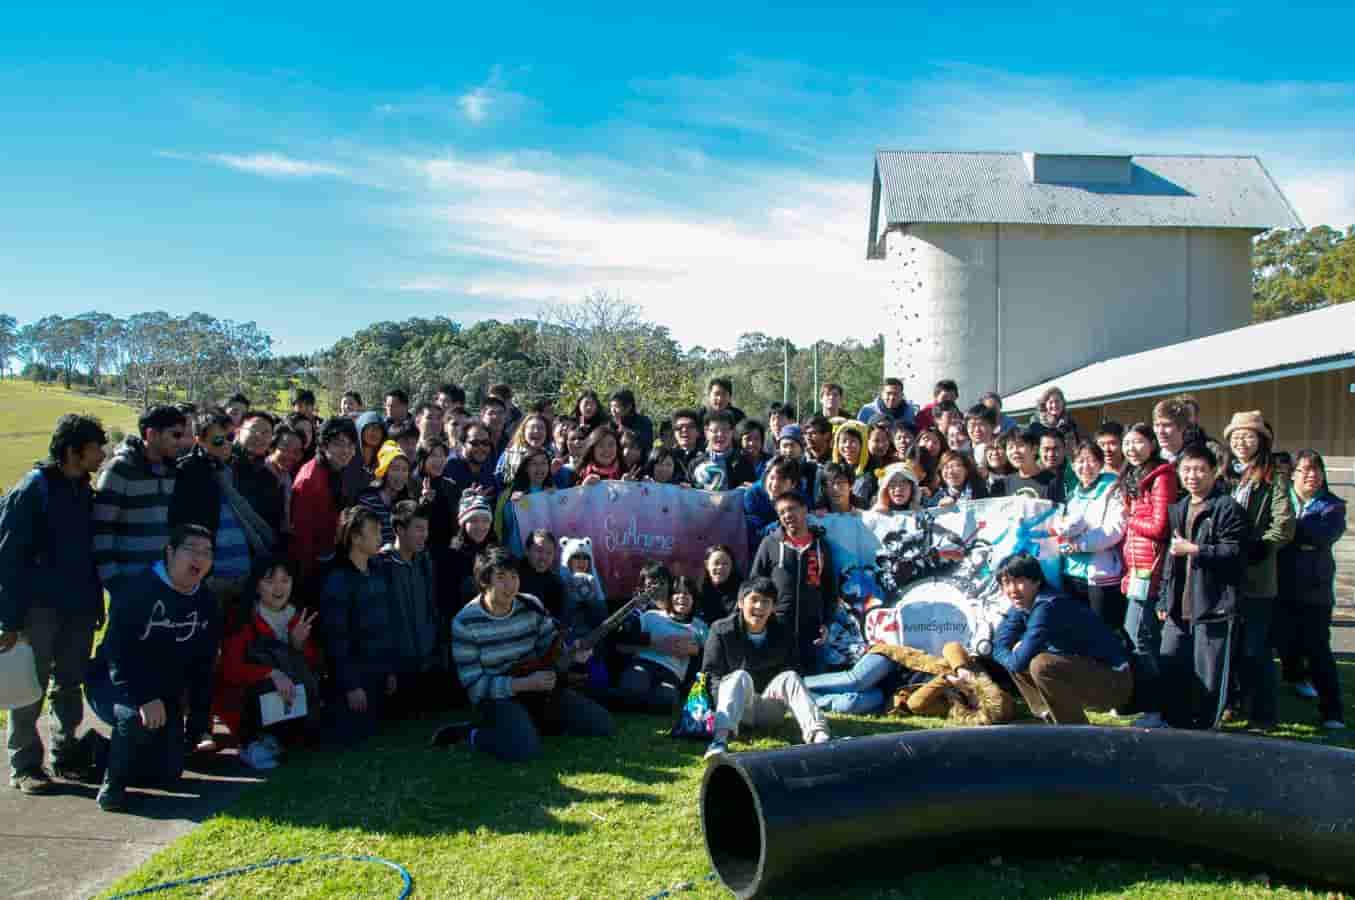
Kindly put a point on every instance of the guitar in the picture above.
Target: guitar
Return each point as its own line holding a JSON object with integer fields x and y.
{"x": 559, "y": 657}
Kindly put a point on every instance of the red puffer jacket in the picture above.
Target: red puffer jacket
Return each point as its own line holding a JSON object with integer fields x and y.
{"x": 1148, "y": 527}
{"x": 235, "y": 674}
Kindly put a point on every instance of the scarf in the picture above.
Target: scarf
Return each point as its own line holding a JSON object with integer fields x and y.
{"x": 258, "y": 533}
{"x": 277, "y": 619}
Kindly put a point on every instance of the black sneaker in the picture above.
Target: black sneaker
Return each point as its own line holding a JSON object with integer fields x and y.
{"x": 112, "y": 796}
{"x": 447, "y": 735}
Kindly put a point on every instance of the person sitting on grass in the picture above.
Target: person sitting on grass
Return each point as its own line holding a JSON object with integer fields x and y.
{"x": 269, "y": 649}
{"x": 655, "y": 674}
{"x": 160, "y": 648}
{"x": 355, "y": 620}
{"x": 1062, "y": 657}
{"x": 494, "y": 634}
{"x": 749, "y": 664}
{"x": 719, "y": 593}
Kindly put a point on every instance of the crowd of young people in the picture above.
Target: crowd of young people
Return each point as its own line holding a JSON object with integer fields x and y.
{"x": 304, "y": 580}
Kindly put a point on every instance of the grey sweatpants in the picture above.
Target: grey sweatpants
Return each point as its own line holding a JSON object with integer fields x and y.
{"x": 738, "y": 703}
{"x": 61, "y": 645}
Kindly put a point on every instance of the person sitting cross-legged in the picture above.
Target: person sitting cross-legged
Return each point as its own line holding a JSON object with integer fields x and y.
{"x": 1062, "y": 657}
{"x": 749, "y": 664}
{"x": 495, "y": 633}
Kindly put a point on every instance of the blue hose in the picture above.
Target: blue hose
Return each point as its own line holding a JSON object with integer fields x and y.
{"x": 405, "y": 891}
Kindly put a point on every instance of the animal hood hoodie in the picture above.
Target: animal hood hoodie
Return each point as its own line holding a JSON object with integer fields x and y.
{"x": 585, "y": 595}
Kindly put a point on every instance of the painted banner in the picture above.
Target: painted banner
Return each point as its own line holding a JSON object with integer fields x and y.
{"x": 633, "y": 522}
{"x": 926, "y": 578}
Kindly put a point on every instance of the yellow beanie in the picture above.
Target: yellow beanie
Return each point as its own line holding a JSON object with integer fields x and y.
{"x": 389, "y": 453}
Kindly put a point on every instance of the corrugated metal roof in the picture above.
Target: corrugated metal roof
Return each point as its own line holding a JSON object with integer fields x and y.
{"x": 1163, "y": 191}
{"x": 1314, "y": 341}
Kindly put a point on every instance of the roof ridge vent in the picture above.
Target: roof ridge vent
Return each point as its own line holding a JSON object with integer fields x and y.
{"x": 1079, "y": 168}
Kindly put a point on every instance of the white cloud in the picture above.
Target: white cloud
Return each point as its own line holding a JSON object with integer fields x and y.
{"x": 271, "y": 165}
{"x": 475, "y": 104}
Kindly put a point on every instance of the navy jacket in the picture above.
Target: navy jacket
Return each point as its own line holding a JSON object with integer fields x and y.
{"x": 1307, "y": 564}
{"x": 159, "y": 643}
{"x": 358, "y": 625}
{"x": 47, "y": 548}
{"x": 1055, "y": 624}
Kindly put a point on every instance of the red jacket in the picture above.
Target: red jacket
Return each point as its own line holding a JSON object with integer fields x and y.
{"x": 315, "y": 518}
{"x": 235, "y": 675}
{"x": 1148, "y": 526}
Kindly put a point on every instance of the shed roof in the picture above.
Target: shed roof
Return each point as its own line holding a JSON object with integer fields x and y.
{"x": 1309, "y": 342}
{"x": 1155, "y": 191}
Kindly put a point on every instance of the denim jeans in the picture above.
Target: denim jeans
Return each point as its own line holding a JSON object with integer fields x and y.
{"x": 508, "y": 733}
{"x": 853, "y": 691}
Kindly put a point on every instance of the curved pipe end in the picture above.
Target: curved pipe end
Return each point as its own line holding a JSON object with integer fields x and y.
{"x": 733, "y": 826}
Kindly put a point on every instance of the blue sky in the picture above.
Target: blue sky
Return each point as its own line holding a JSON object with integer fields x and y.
{"x": 318, "y": 168}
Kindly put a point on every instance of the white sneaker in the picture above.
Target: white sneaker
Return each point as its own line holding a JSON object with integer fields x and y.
{"x": 1150, "y": 720}
{"x": 1305, "y": 690}
{"x": 256, "y": 756}
{"x": 1334, "y": 725}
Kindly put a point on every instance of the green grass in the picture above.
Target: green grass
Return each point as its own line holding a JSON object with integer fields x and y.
{"x": 28, "y": 413}
{"x": 593, "y": 818}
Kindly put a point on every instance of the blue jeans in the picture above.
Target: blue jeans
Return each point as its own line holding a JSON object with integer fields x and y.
{"x": 855, "y": 690}
{"x": 1144, "y": 629}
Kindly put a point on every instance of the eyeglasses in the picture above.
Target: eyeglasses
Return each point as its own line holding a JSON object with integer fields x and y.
{"x": 480, "y": 443}
{"x": 685, "y": 426}
{"x": 195, "y": 552}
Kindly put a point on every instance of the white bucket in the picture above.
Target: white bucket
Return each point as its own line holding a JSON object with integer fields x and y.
{"x": 18, "y": 677}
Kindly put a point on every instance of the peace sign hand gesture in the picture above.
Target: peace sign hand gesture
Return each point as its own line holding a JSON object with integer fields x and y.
{"x": 301, "y": 631}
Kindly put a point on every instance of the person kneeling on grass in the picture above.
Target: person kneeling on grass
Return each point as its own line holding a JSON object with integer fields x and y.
{"x": 495, "y": 633}
{"x": 160, "y": 647}
{"x": 749, "y": 664}
{"x": 1062, "y": 656}
{"x": 269, "y": 649}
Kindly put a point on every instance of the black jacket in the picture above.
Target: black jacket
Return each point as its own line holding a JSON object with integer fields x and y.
{"x": 544, "y": 586}
{"x": 728, "y": 650}
{"x": 1221, "y": 533}
{"x": 260, "y": 487}
{"x": 197, "y": 493}
{"x": 717, "y": 601}
{"x": 801, "y": 606}
{"x": 357, "y": 625}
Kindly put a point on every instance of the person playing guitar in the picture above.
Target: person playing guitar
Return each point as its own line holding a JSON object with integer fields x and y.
{"x": 511, "y": 659}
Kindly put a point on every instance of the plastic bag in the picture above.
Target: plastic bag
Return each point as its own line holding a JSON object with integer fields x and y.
{"x": 696, "y": 719}
{"x": 19, "y": 685}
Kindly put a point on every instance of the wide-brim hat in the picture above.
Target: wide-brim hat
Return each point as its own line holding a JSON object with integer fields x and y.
{"x": 1252, "y": 420}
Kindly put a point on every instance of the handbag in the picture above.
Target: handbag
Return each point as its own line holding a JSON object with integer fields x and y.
{"x": 696, "y": 719}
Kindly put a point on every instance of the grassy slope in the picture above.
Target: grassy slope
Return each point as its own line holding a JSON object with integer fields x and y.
{"x": 593, "y": 818}
{"x": 28, "y": 413}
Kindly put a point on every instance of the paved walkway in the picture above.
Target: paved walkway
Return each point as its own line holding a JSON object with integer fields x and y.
{"x": 63, "y": 846}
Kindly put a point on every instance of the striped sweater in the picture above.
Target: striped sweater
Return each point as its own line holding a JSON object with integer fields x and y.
{"x": 485, "y": 648}
{"x": 131, "y": 513}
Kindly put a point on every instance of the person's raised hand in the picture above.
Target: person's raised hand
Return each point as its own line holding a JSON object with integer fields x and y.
{"x": 301, "y": 631}
{"x": 286, "y": 687}
{"x": 153, "y": 714}
{"x": 357, "y": 700}
{"x": 592, "y": 480}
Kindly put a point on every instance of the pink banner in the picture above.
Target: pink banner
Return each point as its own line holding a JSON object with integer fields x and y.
{"x": 633, "y": 522}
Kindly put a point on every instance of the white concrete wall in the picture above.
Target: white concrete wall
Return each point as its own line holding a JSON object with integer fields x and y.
{"x": 1002, "y": 307}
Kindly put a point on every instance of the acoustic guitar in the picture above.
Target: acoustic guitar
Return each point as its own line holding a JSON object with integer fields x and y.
{"x": 544, "y": 706}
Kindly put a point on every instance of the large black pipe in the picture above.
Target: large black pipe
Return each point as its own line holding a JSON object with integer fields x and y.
{"x": 779, "y": 817}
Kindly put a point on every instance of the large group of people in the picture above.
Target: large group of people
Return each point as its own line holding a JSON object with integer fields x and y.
{"x": 301, "y": 581}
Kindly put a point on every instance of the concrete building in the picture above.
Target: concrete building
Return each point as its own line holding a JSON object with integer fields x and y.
{"x": 1011, "y": 268}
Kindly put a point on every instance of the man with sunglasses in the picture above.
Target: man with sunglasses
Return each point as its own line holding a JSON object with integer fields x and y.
{"x": 205, "y": 495}
{"x": 132, "y": 497}
{"x": 475, "y": 467}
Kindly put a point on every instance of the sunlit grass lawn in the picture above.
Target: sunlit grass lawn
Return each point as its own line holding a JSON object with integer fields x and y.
{"x": 593, "y": 818}
{"x": 28, "y": 413}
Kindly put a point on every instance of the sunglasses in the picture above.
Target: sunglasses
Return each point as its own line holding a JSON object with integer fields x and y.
{"x": 222, "y": 440}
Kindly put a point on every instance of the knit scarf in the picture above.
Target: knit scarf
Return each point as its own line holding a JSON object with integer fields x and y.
{"x": 258, "y": 533}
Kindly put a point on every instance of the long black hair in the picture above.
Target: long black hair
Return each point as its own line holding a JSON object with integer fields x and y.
{"x": 1132, "y": 476}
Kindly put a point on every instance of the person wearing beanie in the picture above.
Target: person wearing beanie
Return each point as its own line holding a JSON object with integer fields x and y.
{"x": 474, "y": 534}
{"x": 390, "y": 486}
{"x": 791, "y": 443}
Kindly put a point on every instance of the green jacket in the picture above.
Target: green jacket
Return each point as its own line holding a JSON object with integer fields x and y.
{"x": 1271, "y": 524}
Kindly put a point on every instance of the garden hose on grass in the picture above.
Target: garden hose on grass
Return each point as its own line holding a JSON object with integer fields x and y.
{"x": 405, "y": 891}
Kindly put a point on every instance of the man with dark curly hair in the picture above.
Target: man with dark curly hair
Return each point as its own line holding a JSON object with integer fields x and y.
{"x": 51, "y": 596}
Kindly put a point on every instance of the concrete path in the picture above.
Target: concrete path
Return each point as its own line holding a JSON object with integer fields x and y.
{"x": 63, "y": 846}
